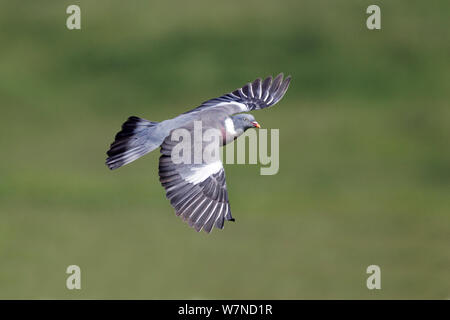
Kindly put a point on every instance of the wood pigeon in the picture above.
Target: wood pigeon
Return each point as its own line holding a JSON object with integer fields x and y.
{"x": 197, "y": 190}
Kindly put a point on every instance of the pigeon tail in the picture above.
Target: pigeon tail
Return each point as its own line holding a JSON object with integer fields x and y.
{"x": 132, "y": 142}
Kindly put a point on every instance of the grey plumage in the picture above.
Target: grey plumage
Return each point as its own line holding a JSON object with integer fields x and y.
{"x": 198, "y": 192}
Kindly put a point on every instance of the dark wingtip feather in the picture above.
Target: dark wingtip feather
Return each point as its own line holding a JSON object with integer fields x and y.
{"x": 276, "y": 83}
{"x": 256, "y": 86}
{"x": 282, "y": 89}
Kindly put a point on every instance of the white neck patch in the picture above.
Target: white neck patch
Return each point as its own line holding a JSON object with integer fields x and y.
{"x": 229, "y": 126}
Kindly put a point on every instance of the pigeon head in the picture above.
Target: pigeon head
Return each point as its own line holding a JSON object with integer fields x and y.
{"x": 244, "y": 121}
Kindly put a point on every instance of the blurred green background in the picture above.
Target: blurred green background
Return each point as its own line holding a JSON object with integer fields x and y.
{"x": 364, "y": 149}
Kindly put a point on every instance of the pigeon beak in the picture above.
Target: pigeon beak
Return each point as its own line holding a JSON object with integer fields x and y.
{"x": 256, "y": 124}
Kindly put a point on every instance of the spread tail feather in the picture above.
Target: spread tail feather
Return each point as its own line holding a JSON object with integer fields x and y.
{"x": 132, "y": 142}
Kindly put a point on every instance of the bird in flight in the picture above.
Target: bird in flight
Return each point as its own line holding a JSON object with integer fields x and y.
{"x": 197, "y": 190}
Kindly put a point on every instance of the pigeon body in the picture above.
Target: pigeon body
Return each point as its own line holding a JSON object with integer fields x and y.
{"x": 197, "y": 189}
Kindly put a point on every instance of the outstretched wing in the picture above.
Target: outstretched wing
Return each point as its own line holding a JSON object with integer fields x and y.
{"x": 198, "y": 192}
{"x": 253, "y": 96}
